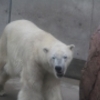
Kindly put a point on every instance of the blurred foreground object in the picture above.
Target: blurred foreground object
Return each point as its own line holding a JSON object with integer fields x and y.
{"x": 90, "y": 79}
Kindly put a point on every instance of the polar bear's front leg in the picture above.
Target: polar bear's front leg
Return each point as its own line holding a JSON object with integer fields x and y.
{"x": 52, "y": 88}
{"x": 32, "y": 83}
{"x": 29, "y": 94}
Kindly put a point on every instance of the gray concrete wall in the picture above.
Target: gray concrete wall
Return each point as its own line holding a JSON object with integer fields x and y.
{"x": 4, "y": 5}
{"x": 71, "y": 21}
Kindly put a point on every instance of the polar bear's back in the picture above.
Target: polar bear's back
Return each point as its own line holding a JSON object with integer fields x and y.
{"x": 22, "y": 27}
{"x": 24, "y": 30}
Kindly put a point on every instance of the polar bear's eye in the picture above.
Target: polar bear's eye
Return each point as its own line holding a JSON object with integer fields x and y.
{"x": 65, "y": 57}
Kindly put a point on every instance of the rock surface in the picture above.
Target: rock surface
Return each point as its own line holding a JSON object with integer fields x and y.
{"x": 90, "y": 79}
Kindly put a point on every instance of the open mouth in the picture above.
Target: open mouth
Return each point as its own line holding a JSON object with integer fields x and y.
{"x": 60, "y": 75}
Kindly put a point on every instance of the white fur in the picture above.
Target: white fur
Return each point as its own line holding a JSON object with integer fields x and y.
{"x": 27, "y": 51}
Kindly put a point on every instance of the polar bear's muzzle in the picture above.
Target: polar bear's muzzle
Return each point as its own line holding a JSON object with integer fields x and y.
{"x": 59, "y": 71}
{"x": 59, "y": 65}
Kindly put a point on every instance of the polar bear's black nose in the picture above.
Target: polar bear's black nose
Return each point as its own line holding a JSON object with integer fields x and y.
{"x": 58, "y": 69}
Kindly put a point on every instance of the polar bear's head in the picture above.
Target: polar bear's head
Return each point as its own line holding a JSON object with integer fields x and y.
{"x": 59, "y": 57}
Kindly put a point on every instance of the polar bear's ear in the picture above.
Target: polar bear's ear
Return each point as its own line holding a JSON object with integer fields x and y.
{"x": 45, "y": 50}
{"x": 71, "y": 47}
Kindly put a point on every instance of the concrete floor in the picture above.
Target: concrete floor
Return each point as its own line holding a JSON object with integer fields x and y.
{"x": 69, "y": 87}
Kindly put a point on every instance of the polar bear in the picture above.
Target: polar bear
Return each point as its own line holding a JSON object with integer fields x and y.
{"x": 37, "y": 57}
